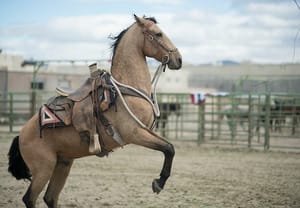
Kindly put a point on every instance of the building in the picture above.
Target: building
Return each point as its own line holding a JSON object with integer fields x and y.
{"x": 244, "y": 77}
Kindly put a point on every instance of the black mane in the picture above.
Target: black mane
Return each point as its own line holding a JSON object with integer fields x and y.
{"x": 152, "y": 19}
{"x": 116, "y": 39}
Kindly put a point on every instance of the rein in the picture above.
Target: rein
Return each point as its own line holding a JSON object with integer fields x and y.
{"x": 153, "y": 102}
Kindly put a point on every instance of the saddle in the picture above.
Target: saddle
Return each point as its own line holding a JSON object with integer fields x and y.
{"x": 78, "y": 94}
{"x": 83, "y": 108}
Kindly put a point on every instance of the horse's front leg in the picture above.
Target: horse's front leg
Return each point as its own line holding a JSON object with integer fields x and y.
{"x": 153, "y": 141}
{"x": 169, "y": 152}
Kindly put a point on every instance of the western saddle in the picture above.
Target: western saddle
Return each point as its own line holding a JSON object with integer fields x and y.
{"x": 87, "y": 104}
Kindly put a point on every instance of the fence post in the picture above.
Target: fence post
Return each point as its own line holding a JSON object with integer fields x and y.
{"x": 212, "y": 106}
{"x": 11, "y": 111}
{"x": 250, "y": 120}
{"x": 201, "y": 123}
{"x": 267, "y": 122}
{"x": 233, "y": 120}
{"x": 219, "y": 115}
{"x": 259, "y": 117}
{"x": 33, "y": 102}
{"x": 294, "y": 117}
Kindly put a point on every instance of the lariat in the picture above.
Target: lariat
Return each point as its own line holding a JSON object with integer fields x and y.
{"x": 153, "y": 102}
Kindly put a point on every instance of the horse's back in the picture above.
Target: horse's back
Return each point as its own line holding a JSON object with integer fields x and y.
{"x": 64, "y": 141}
{"x": 30, "y": 131}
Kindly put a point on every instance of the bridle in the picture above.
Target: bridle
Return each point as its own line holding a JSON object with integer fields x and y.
{"x": 152, "y": 37}
{"x": 153, "y": 101}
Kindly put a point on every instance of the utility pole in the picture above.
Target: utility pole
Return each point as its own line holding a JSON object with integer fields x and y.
{"x": 36, "y": 67}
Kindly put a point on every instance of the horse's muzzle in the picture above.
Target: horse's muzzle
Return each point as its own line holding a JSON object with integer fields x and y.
{"x": 175, "y": 62}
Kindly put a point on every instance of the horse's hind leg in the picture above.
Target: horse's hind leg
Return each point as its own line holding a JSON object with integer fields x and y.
{"x": 151, "y": 140}
{"x": 39, "y": 179}
{"x": 57, "y": 181}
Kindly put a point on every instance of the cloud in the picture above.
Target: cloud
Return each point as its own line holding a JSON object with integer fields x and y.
{"x": 247, "y": 34}
{"x": 75, "y": 37}
{"x": 260, "y": 31}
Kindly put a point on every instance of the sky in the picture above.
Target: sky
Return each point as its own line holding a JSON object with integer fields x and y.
{"x": 262, "y": 31}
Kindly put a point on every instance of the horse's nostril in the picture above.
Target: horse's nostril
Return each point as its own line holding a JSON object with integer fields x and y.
{"x": 180, "y": 61}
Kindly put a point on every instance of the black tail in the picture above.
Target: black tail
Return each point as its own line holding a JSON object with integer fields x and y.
{"x": 16, "y": 164}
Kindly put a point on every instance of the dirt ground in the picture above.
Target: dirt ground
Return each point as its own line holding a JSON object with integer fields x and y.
{"x": 201, "y": 177}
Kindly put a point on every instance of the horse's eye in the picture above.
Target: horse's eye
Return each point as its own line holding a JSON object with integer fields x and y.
{"x": 159, "y": 35}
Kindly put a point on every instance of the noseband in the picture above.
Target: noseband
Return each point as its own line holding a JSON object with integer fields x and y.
{"x": 152, "y": 37}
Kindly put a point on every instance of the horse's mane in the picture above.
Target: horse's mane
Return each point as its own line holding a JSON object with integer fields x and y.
{"x": 116, "y": 39}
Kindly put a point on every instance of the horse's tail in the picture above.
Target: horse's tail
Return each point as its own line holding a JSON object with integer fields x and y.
{"x": 16, "y": 165}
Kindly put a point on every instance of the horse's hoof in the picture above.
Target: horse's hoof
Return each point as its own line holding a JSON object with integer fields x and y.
{"x": 155, "y": 186}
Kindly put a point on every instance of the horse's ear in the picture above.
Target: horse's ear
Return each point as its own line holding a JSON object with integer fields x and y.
{"x": 139, "y": 20}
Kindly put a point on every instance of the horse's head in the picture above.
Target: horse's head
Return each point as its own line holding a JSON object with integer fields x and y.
{"x": 157, "y": 44}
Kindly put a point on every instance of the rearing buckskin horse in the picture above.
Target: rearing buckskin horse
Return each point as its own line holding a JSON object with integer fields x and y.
{"x": 50, "y": 158}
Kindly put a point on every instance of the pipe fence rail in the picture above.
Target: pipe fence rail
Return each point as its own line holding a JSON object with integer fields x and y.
{"x": 267, "y": 121}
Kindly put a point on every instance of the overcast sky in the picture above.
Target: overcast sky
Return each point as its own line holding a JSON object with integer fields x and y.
{"x": 204, "y": 31}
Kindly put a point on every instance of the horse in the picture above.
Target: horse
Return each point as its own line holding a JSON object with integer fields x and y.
{"x": 238, "y": 115}
{"x": 287, "y": 108}
{"x": 166, "y": 110}
{"x": 276, "y": 118}
{"x": 241, "y": 116}
{"x": 50, "y": 158}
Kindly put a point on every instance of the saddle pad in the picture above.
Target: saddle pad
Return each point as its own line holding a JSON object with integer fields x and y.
{"x": 48, "y": 119}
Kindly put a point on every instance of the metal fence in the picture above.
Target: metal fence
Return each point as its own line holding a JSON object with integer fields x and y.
{"x": 17, "y": 108}
{"x": 250, "y": 120}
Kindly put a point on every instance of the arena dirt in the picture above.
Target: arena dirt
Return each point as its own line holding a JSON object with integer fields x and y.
{"x": 201, "y": 177}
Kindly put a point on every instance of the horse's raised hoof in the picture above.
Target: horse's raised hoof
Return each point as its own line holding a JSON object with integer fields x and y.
{"x": 155, "y": 186}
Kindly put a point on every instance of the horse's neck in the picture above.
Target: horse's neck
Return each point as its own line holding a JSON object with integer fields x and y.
{"x": 130, "y": 67}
